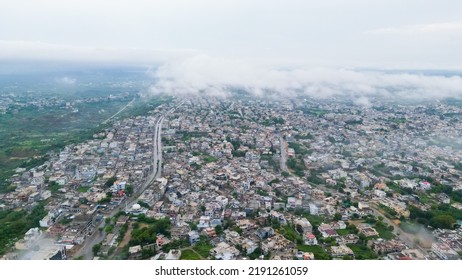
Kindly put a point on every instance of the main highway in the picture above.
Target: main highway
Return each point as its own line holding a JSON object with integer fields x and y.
{"x": 98, "y": 236}
{"x": 283, "y": 160}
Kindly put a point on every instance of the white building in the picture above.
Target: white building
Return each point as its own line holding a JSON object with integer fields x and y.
{"x": 224, "y": 251}
{"x": 46, "y": 221}
{"x": 314, "y": 210}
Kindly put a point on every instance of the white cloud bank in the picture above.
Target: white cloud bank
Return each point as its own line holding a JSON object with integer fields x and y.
{"x": 66, "y": 81}
{"x": 214, "y": 76}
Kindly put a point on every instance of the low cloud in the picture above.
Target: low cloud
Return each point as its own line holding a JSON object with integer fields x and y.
{"x": 216, "y": 76}
{"x": 66, "y": 81}
{"x": 362, "y": 101}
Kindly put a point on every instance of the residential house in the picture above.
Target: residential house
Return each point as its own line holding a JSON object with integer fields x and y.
{"x": 310, "y": 239}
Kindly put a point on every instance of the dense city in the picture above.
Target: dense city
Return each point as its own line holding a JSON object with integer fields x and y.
{"x": 247, "y": 177}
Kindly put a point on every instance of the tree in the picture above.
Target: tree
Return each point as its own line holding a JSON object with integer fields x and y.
{"x": 109, "y": 228}
{"x": 352, "y": 228}
{"x": 110, "y": 182}
{"x": 96, "y": 248}
{"x": 228, "y": 223}
{"x": 146, "y": 253}
{"x": 193, "y": 226}
{"x": 218, "y": 229}
{"x": 275, "y": 181}
{"x": 362, "y": 239}
{"x": 143, "y": 204}
{"x": 442, "y": 221}
{"x": 107, "y": 199}
{"x": 337, "y": 216}
{"x": 256, "y": 254}
{"x": 237, "y": 229}
{"x": 416, "y": 213}
{"x": 279, "y": 120}
{"x": 275, "y": 224}
{"x": 53, "y": 187}
{"x": 15, "y": 223}
{"x": 370, "y": 219}
{"x": 129, "y": 190}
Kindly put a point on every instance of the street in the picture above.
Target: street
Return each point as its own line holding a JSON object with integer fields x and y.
{"x": 97, "y": 235}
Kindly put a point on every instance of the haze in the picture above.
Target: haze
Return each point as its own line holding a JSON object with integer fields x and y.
{"x": 227, "y": 43}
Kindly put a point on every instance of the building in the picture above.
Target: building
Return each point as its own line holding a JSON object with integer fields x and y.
{"x": 304, "y": 224}
{"x": 444, "y": 252}
{"x": 46, "y": 221}
{"x": 314, "y": 210}
{"x": 265, "y": 232}
{"x": 341, "y": 251}
{"x": 193, "y": 237}
{"x": 367, "y": 230}
{"x": 173, "y": 255}
{"x": 224, "y": 251}
{"x": 310, "y": 239}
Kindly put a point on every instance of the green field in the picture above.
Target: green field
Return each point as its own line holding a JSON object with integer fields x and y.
{"x": 203, "y": 248}
{"x": 32, "y": 132}
{"x": 318, "y": 251}
{"x": 189, "y": 254}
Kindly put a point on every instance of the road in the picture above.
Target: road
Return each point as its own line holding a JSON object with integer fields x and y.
{"x": 283, "y": 160}
{"x": 157, "y": 150}
{"x": 97, "y": 236}
{"x": 118, "y": 112}
{"x": 156, "y": 155}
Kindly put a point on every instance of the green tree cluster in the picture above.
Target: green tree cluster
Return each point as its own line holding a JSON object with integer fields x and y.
{"x": 14, "y": 224}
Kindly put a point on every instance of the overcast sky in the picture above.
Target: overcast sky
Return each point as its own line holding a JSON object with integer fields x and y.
{"x": 363, "y": 33}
